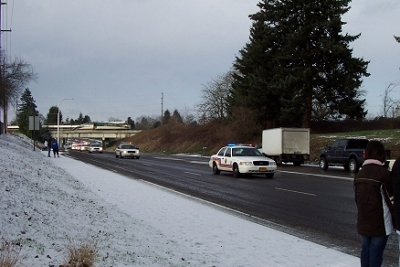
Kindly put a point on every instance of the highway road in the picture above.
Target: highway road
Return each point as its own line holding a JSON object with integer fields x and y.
{"x": 303, "y": 201}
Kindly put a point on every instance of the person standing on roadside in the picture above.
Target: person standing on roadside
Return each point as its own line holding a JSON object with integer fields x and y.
{"x": 396, "y": 194}
{"x": 373, "y": 193}
{"x": 48, "y": 147}
{"x": 54, "y": 145}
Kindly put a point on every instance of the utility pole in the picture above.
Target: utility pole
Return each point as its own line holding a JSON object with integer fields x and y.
{"x": 162, "y": 103}
{"x": 1, "y": 30}
{"x": 1, "y": 77}
{"x": 4, "y": 100}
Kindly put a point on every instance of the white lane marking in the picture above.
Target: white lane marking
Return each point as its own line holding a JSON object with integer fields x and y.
{"x": 192, "y": 173}
{"x": 318, "y": 175}
{"x": 177, "y": 159}
{"x": 169, "y": 158}
{"x": 293, "y": 191}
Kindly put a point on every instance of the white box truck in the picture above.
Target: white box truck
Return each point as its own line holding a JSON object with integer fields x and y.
{"x": 287, "y": 145}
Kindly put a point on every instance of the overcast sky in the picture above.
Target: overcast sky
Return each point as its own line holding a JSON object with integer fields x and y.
{"x": 117, "y": 58}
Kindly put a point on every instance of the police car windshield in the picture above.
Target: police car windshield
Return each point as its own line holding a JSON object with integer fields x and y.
{"x": 128, "y": 147}
{"x": 95, "y": 144}
{"x": 245, "y": 151}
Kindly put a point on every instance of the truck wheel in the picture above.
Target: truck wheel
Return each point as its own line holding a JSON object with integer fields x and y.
{"x": 323, "y": 164}
{"x": 215, "y": 169}
{"x": 353, "y": 166}
{"x": 296, "y": 163}
{"x": 236, "y": 172}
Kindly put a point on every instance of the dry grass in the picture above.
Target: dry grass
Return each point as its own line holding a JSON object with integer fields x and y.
{"x": 9, "y": 257}
{"x": 83, "y": 254}
{"x": 177, "y": 138}
{"x": 207, "y": 139}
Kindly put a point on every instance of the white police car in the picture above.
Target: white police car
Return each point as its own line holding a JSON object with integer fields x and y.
{"x": 127, "y": 150}
{"x": 95, "y": 147}
{"x": 241, "y": 159}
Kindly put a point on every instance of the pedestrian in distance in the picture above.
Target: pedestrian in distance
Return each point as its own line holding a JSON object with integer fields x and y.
{"x": 396, "y": 194}
{"x": 373, "y": 195}
{"x": 54, "y": 145}
{"x": 48, "y": 147}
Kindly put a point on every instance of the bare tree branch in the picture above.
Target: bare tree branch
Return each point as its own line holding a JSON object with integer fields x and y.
{"x": 214, "y": 98}
{"x": 13, "y": 77}
{"x": 389, "y": 104}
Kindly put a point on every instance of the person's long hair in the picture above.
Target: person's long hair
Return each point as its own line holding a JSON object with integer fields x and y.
{"x": 375, "y": 150}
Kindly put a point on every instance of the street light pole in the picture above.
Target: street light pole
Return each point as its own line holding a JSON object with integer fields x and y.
{"x": 58, "y": 118}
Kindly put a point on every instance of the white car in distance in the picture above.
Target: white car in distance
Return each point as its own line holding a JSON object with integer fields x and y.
{"x": 127, "y": 151}
{"x": 95, "y": 147}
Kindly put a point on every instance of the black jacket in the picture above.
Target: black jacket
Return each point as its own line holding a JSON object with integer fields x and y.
{"x": 367, "y": 189}
{"x": 396, "y": 192}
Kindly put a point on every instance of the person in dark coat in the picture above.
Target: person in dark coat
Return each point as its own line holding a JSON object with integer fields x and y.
{"x": 49, "y": 147}
{"x": 396, "y": 194}
{"x": 54, "y": 145}
{"x": 373, "y": 194}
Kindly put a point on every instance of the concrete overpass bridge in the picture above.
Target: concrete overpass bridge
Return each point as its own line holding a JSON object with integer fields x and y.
{"x": 104, "y": 132}
{"x": 94, "y": 134}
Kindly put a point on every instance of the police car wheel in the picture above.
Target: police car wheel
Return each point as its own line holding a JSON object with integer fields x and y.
{"x": 236, "y": 172}
{"x": 215, "y": 169}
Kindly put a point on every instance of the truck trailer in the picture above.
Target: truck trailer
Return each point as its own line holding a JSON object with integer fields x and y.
{"x": 286, "y": 145}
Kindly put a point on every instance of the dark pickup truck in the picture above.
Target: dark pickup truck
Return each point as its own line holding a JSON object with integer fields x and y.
{"x": 348, "y": 153}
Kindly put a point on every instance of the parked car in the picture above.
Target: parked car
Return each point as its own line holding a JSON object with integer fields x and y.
{"x": 95, "y": 147}
{"x": 242, "y": 160}
{"x": 127, "y": 150}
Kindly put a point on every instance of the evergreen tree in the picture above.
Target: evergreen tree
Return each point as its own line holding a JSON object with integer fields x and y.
{"x": 297, "y": 59}
{"x": 144, "y": 123}
{"x": 80, "y": 119}
{"x": 253, "y": 85}
{"x": 26, "y": 109}
{"x": 131, "y": 123}
{"x": 157, "y": 124}
{"x": 176, "y": 117}
{"x": 86, "y": 119}
{"x": 52, "y": 116}
{"x": 167, "y": 117}
{"x": 69, "y": 121}
{"x": 45, "y": 134}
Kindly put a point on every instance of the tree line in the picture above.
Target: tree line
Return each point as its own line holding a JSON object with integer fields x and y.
{"x": 28, "y": 107}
